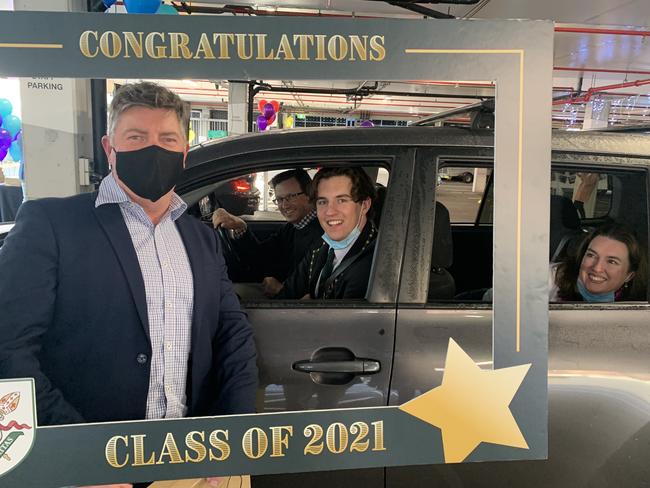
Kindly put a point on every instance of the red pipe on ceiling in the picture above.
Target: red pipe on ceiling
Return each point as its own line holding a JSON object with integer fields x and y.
{"x": 587, "y": 96}
{"x": 603, "y": 70}
{"x": 596, "y": 30}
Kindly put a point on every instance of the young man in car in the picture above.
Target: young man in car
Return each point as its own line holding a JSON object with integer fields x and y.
{"x": 275, "y": 258}
{"x": 340, "y": 267}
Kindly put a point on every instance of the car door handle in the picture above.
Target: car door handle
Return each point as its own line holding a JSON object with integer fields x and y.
{"x": 355, "y": 366}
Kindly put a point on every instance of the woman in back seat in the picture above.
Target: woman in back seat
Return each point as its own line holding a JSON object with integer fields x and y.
{"x": 609, "y": 266}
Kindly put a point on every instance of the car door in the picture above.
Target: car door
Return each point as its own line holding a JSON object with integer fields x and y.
{"x": 291, "y": 334}
{"x": 598, "y": 368}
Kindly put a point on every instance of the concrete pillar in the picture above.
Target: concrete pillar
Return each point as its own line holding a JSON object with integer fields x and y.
{"x": 237, "y": 108}
{"x": 597, "y": 114}
{"x": 57, "y": 127}
{"x": 480, "y": 180}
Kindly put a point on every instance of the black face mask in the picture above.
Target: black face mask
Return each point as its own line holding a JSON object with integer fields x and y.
{"x": 149, "y": 172}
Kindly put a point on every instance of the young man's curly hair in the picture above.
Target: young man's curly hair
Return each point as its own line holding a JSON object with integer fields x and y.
{"x": 362, "y": 185}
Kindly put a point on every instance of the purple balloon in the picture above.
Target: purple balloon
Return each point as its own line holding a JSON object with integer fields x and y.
{"x": 367, "y": 123}
{"x": 3, "y": 153}
{"x": 262, "y": 122}
{"x": 18, "y": 137}
{"x": 269, "y": 111}
{"x": 5, "y": 139}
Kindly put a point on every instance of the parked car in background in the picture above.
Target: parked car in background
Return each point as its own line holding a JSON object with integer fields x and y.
{"x": 237, "y": 195}
{"x": 457, "y": 174}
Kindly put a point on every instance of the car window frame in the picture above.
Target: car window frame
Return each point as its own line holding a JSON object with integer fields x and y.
{"x": 570, "y": 162}
{"x": 471, "y": 162}
{"x": 389, "y": 251}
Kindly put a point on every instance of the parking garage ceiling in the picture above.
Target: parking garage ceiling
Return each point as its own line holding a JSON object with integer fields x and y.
{"x": 598, "y": 43}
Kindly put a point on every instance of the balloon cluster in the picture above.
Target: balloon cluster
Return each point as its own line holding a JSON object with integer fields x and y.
{"x": 11, "y": 139}
{"x": 269, "y": 111}
{"x": 144, "y": 7}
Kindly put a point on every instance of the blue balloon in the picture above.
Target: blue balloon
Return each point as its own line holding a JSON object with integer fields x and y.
{"x": 142, "y": 6}
{"x": 167, "y": 10}
{"x": 109, "y": 3}
{"x": 5, "y": 107}
{"x": 16, "y": 151}
{"x": 12, "y": 124}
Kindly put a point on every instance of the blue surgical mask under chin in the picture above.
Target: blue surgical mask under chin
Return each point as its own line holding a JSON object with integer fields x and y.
{"x": 342, "y": 244}
{"x": 593, "y": 297}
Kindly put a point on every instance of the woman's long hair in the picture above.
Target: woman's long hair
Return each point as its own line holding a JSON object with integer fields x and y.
{"x": 566, "y": 276}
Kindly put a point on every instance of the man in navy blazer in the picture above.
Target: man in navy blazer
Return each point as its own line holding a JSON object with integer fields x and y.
{"x": 117, "y": 302}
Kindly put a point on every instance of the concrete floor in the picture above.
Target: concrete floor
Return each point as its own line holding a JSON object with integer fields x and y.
{"x": 462, "y": 203}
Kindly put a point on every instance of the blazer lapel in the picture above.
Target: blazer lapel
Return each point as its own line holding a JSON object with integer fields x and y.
{"x": 111, "y": 220}
{"x": 319, "y": 263}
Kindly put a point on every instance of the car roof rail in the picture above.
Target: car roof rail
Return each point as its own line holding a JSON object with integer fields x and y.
{"x": 481, "y": 115}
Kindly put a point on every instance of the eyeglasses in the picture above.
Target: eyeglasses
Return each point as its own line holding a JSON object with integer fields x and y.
{"x": 287, "y": 198}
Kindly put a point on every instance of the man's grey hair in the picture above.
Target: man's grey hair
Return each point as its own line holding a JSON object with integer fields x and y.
{"x": 151, "y": 95}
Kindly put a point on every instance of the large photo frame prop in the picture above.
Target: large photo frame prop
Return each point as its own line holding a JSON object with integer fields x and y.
{"x": 475, "y": 415}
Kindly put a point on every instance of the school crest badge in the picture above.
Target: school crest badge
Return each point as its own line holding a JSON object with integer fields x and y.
{"x": 17, "y": 422}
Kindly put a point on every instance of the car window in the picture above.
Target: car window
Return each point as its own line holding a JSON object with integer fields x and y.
{"x": 460, "y": 189}
{"x": 267, "y": 208}
{"x": 264, "y": 250}
{"x": 581, "y": 200}
{"x": 239, "y": 196}
{"x": 590, "y": 191}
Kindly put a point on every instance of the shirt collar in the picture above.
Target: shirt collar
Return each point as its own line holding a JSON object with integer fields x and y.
{"x": 111, "y": 192}
{"x": 306, "y": 220}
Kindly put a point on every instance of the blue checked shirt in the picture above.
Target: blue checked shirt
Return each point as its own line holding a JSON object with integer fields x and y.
{"x": 169, "y": 289}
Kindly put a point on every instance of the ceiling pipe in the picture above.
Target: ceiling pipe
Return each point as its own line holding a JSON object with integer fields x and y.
{"x": 251, "y": 11}
{"x": 587, "y": 96}
{"x": 471, "y": 13}
{"x": 596, "y": 30}
{"x": 419, "y": 9}
{"x": 365, "y": 91}
{"x": 602, "y": 70}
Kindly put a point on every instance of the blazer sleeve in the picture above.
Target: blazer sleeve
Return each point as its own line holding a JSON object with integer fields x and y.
{"x": 356, "y": 286}
{"x": 28, "y": 286}
{"x": 234, "y": 349}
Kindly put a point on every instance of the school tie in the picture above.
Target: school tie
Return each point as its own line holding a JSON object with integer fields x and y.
{"x": 326, "y": 272}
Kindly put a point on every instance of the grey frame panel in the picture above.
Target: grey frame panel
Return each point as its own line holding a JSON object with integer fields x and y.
{"x": 516, "y": 55}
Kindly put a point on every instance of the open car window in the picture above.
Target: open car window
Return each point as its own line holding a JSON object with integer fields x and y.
{"x": 582, "y": 199}
{"x": 272, "y": 247}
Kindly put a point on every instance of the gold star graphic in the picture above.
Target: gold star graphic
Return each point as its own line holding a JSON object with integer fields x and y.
{"x": 471, "y": 405}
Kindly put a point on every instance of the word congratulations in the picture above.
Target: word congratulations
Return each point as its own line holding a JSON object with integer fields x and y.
{"x": 223, "y": 46}
{"x": 199, "y": 446}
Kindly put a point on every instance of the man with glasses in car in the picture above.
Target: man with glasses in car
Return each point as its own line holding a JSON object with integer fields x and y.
{"x": 275, "y": 258}
{"x": 339, "y": 267}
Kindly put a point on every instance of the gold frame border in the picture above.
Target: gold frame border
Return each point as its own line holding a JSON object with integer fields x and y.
{"x": 521, "y": 53}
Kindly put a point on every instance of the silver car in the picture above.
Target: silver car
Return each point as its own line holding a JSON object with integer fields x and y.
{"x": 599, "y": 354}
